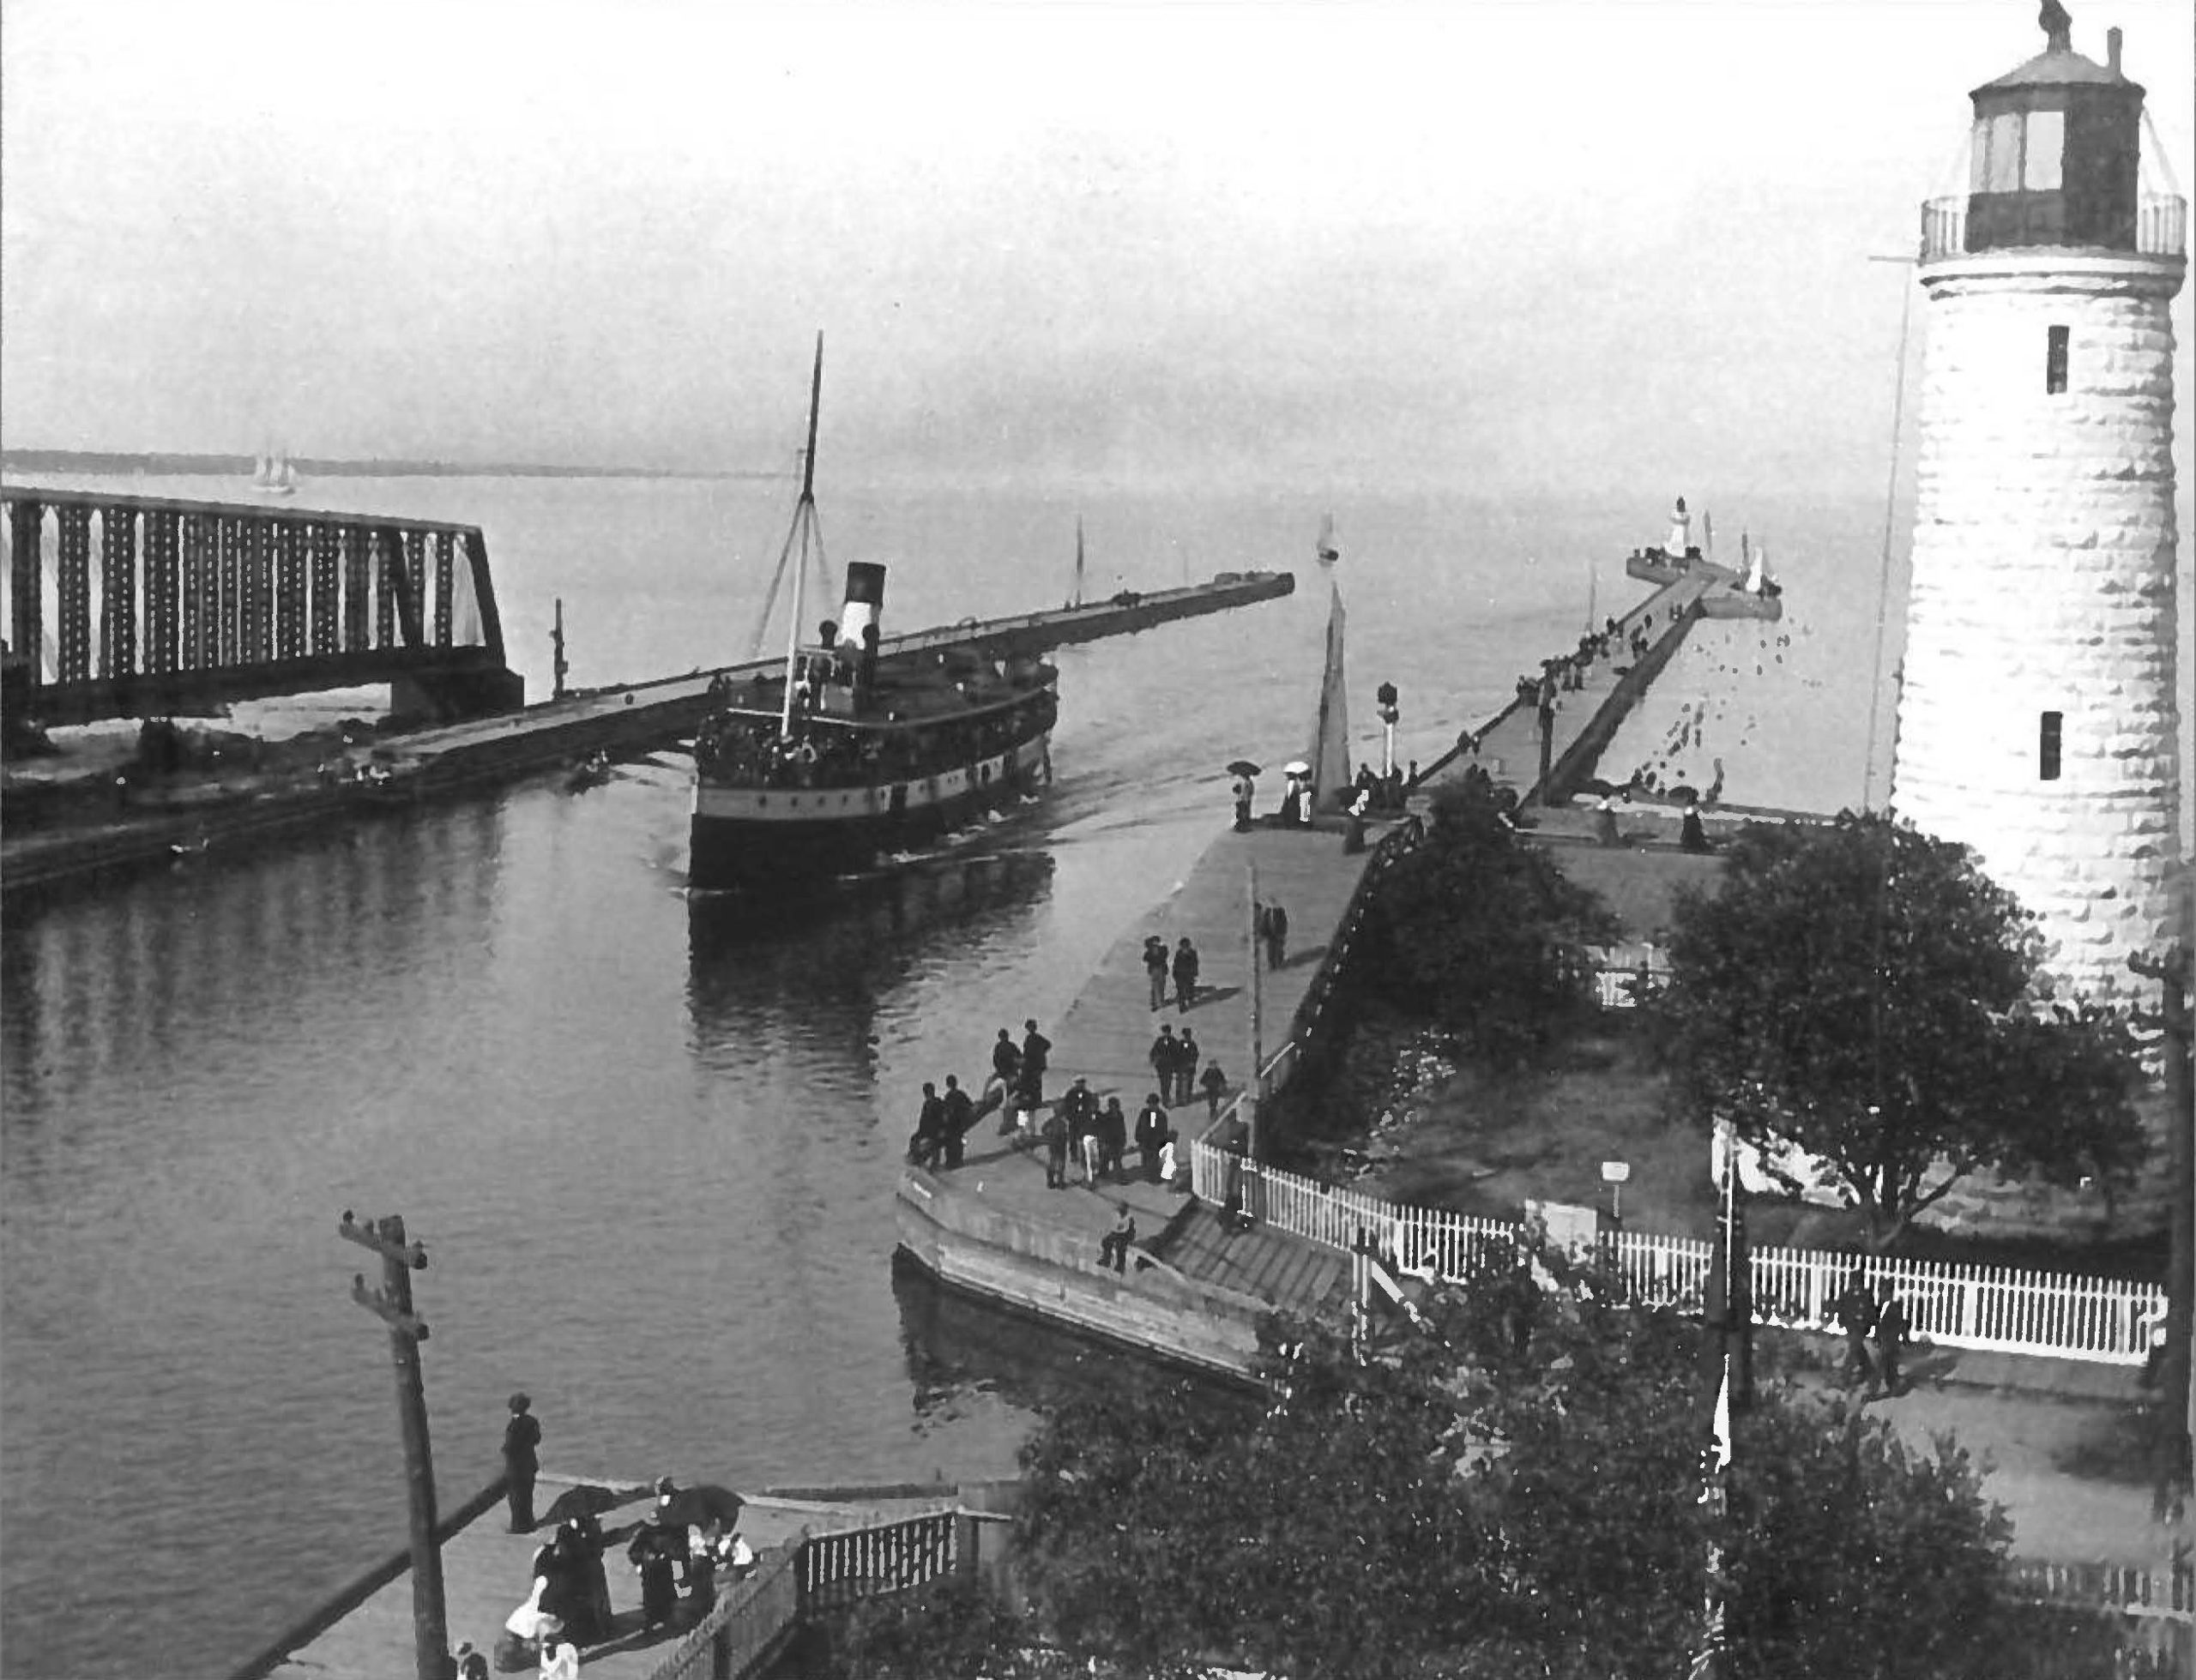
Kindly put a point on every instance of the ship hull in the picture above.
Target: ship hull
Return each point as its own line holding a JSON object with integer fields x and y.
{"x": 763, "y": 839}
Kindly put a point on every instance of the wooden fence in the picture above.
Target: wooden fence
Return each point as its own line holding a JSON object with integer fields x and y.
{"x": 816, "y": 1573}
{"x": 1999, "y": 1309}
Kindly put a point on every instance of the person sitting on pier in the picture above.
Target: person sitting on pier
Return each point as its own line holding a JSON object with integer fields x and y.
{"x": 1114, "y": 1246}
{"x": 928, "y": 1142}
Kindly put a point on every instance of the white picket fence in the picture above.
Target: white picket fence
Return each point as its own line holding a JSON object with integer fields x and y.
{"x": 1999, "y": 1309}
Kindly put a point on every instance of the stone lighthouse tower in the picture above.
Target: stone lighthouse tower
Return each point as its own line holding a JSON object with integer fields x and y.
{"x": 2036, "y": 718}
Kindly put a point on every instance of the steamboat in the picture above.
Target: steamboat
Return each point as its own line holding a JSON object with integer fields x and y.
{"x": 849, "y": 754}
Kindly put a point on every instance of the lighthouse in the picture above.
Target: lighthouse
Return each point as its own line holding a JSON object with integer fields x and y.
{"x": 2037, "y": 717}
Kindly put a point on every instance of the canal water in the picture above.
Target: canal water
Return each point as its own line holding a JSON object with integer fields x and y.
{"x": 651, "y": 1143}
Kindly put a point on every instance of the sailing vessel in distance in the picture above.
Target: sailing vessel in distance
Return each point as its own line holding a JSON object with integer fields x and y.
{"x": 273, "y": 473}
{"x": 850, "y": 753}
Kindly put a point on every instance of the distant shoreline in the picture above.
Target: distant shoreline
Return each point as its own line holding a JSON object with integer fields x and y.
{"x": 173, "y": 464}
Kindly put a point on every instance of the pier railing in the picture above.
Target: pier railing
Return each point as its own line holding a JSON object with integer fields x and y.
{"x": 815, "y": 1573}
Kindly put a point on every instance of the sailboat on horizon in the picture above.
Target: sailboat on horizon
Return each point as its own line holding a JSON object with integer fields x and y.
{"x": 274, "y": 473}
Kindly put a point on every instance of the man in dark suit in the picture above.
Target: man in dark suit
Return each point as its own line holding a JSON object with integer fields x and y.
{"x": 928, "y": 1143}
{"x": 1151, "y": 1128}
{"x": 1186, "y": 1058}
{"x": 1155, "y": 966}
{"x": 1036, "y": 1057}
{"x": 960, "y": 1115}
{"x": 522, "y": 1461}
{"x": 1185, "y": 973}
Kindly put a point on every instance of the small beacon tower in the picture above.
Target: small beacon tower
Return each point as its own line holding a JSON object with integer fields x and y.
{"x": 2037, "y": 715}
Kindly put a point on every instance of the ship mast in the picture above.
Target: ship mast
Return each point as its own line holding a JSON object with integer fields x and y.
{"x": 804, "y": 522}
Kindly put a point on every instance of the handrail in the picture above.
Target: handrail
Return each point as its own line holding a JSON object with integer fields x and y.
{"x": 748, "y": 1622}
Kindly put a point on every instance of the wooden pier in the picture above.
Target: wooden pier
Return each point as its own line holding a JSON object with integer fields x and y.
{"x": 1199, "y": 1279}
{"x": 812, "y": 1555}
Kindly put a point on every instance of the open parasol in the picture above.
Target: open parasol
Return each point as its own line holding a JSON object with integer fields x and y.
{"x": 1243, "y": 766}
{"x": 1296, "y": 766}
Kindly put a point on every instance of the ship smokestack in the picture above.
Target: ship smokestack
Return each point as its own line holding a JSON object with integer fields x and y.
{"x": 2112, "y": 50}
{"x": 861, "y": 621}
{"x": 865, "y": 601}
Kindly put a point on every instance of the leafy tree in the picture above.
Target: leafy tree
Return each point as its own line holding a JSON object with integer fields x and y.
{"x": 1866, "y": 992}
{"x": 1482, "y": 931}
{"x": 1514, "y": 1491}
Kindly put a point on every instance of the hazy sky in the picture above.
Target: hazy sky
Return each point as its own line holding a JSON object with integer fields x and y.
{"x": 1555, "y": 247}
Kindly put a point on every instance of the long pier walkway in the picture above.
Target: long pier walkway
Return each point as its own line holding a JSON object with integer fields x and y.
{"x": 1106, "y": 1035}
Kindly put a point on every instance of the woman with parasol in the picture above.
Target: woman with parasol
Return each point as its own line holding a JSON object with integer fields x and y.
{"x": 1243, "y": 770}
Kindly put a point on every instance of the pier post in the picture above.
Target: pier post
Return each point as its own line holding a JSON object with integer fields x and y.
{"x": 392, "y": 1304}
{"x": 556, "y": 639}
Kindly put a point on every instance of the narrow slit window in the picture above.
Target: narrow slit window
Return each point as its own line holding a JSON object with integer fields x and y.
{"x": 2047, "y": 747}
{"x": 2054, "y": 361}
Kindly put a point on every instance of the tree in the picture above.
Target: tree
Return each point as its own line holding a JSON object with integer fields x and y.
{"x": 1481, "y": 930}
{"x": 1868, "y": 993}
{"x": 1515, "y": 1492}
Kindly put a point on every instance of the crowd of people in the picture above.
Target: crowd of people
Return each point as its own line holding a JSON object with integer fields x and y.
{"x": 568, "y": 1606}
{"x": 1078, "y": 1130}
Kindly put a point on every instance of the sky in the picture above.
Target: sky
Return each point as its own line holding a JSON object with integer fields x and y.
{"x": 1502, "y": 248}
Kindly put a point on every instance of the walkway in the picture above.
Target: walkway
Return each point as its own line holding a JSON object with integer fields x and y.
{"x": 486, "y": 1576}
{"x": 1106, "y": 1035}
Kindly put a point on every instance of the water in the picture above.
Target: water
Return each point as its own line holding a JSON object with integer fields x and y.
{"x": 651, "y": 1148}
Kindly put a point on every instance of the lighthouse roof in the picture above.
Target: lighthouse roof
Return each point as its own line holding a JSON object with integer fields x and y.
{"x": 2058, "y": 66}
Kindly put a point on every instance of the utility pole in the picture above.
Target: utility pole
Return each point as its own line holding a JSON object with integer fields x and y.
{"x": 2177, "y": 1437}
{"x": 392, "y": 1304}
{"x": 1254, "y": 1088}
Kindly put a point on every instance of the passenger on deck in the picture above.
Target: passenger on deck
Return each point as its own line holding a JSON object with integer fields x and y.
{"x": 1244, "y": 791}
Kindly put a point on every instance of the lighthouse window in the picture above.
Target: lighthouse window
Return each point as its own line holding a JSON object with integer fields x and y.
{"x": 1997, "y": 154}
{"x": 2046, "y": 748}
{"x": 2046, "y": 141}
{"x": 2054, "y": 361}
